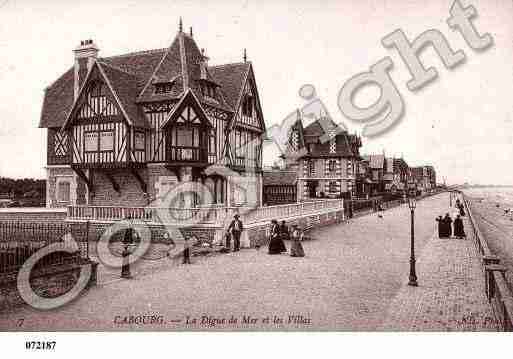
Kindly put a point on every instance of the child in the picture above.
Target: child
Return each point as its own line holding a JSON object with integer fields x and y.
{"x": 227, "y": 238}
{"x": 186, "y": 251}
{"x": 296, "y": 249}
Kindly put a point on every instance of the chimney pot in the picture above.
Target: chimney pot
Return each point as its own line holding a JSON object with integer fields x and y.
{"x": 85, "y": 56}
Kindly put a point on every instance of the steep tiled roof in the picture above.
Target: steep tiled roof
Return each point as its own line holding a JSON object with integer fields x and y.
{"x": 231, "y": 78}
{"x": 181, "y": 63}
{"x": 125, "y": 87}
{"x": 400, "y": 163}
{"x": 142, "y": 63}
{"x": 279, "y": 178}
{"x": 314, "y": 131}
{"x": 57, "y": 101}
{"x": 134, "y": 72}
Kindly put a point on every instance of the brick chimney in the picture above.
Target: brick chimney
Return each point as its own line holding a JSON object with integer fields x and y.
{"x": 85, "y": 55}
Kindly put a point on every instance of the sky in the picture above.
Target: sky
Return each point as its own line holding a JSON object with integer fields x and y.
{"x": 462, "y": 123}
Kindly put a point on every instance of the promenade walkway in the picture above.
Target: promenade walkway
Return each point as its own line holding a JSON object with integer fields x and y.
{"x": 352, "y": 278}
{"x": 451, "y": 292}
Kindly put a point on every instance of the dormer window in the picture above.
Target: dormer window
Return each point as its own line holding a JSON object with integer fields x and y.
{"x": 247, "y": 106}
{"x": 163, "y": 88}
{"x": 208, "y": 90}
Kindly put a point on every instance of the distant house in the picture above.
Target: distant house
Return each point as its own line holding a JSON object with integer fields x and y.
{"x": 279, "y": 187}
{"x": 377, "y": 171}
{"x": 396, "y": 175}
{"x": 401, "y": 169}
{"x": 364, "y": 182}
{"x": 325, "y": 159}
{"x": 6, "y": 199}
{"x": 424, "y": 177}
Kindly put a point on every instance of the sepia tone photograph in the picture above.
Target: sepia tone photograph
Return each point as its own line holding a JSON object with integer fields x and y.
{"x": 239, "y": 166}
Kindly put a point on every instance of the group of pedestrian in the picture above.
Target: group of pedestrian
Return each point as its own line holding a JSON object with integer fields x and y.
{"x": 445, "y": 229}
{"x": 279, "y": 233}
{"x": 460, "y": 207}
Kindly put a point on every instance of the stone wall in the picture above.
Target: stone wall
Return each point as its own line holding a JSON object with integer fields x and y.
{"x": 158, "y": 233}
{"x": 130, "y": 193}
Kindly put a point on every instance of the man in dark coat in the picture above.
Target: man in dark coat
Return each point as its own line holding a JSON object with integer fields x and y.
{"x": 459, "y": 231}
{"x": 236, "y": 229}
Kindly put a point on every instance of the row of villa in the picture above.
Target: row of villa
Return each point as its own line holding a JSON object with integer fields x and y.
{"x": 123, "y": 132}
{"x": 317, "y": 165}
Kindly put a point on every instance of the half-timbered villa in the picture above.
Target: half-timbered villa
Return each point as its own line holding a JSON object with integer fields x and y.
{"x": 123, "y": 130}
{"x": 378, "y": 170}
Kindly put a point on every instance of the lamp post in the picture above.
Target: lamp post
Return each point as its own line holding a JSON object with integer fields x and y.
{"x": 412, "y": 203}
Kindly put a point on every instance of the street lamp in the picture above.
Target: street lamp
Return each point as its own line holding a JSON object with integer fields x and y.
{"x": 412, "y": 203}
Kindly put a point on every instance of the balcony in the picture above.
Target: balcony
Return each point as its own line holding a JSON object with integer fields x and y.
{"x": 187, "y": 154}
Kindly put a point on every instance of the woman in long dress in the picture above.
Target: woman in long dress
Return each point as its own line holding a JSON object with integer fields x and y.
{"x": 284, "y": 235}
{"x": 441, "y": 228}
{"x": 448, "y": 227}
{"x": 296, "y": 249}
{"x": 274, "y": 242}
{"x": 459, "y": 231}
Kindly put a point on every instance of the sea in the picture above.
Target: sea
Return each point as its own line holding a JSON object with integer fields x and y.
{"x": 497, "y": 195}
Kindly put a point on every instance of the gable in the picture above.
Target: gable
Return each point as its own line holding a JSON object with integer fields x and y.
{"x": 249, "y": 96}
{"x": 187, "y": 111}
{"x": 117, "y": 91}
{"x": 97, "y": 102}
{"x": 95, "y": 99}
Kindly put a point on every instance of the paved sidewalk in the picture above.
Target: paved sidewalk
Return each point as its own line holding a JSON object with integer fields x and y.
{"x": 451, "y": 292}
{"x": 353, "y": 273}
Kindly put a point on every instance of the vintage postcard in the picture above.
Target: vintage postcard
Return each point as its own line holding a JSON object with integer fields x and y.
{"x": 298, "y": 166}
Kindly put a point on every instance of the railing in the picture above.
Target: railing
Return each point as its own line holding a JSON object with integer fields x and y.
{"x": 146, "y": 214}
{"x": 196, "y": 154}
{"x": 498, "y": 291}
{"x": 19, "y": 241}
{"x": 290, "y": 210}
{"x": 198, "y": 215}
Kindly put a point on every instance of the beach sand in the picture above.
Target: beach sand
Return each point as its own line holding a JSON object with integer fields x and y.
{"x": 488, "y": 208}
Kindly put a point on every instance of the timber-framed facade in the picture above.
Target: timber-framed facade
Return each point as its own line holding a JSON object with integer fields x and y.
{"x": 123, "y": 130}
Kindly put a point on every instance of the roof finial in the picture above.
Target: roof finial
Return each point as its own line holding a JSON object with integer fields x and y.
{"x": 245, "y": 56}
{"x": 180, "y": 25}
{"x": 190, "y": 31}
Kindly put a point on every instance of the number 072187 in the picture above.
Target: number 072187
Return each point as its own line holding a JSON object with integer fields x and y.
{"x": 44, "y": 345}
